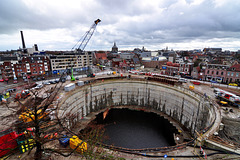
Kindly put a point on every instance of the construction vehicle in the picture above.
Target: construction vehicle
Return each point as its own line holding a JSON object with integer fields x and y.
{"x": 85, "y": 39}
{"x": 91, "y": 75}
{"x": 72, "y": 78}
{"x": 4, "y": 97}
{"x": 29, "y": 116}
{"x": 77, "y": 144}
{"x": 22, "y": 95}
{"x": 228, "y": 97}
{"x": 191, "y": 87}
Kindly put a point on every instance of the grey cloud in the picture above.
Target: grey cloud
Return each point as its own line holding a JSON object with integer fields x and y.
{"x": 132, "y": 22}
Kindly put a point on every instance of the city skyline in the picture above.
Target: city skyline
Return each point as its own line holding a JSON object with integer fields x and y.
{"x": 176, "y": 24}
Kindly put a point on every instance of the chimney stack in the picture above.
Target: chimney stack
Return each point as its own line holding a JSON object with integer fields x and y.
{"x": 35, "y": 47}
{"x": 23, "y": 43}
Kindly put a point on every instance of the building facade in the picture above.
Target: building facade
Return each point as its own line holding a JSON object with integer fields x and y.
{"x": 79, "y": 62}
{"x": 25, "y": 66}
{"x": 233, "y": 74}
{"x": 216, "y": 72}
{"x": 33, "y": 66}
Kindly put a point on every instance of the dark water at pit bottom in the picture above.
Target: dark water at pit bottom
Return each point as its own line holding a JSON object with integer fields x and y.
{"x": 136, "y": 129}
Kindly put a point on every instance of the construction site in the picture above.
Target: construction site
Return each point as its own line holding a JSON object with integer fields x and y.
{"x": 68, "y": 119}
{"x": 196, "y": 119}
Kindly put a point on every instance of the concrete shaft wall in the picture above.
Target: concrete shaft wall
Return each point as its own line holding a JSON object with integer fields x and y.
{"x": 231, "y": 128}
{"x": 185, "y": 106}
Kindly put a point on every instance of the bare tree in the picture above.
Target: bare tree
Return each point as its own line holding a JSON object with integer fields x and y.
{"x": 39, "y": 112}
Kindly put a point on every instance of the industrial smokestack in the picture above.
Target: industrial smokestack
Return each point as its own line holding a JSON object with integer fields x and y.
{"x": 23, "y": 43}
{"x": 35, "y": 47}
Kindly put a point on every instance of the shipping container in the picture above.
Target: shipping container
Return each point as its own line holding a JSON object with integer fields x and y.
{"x": 25, "y": 144}
{"x": 8, "y": 142}
{"x": 80, "y": 83}
{"x": 69, "y": 87}
{"x": 64, "y": 141}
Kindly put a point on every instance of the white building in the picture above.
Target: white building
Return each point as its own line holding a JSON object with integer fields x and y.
{"x": 79, "y": 62}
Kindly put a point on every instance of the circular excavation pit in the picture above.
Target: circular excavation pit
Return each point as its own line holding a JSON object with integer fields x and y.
{"x": 188, "y": 112}
{"x": 136, "y": 129}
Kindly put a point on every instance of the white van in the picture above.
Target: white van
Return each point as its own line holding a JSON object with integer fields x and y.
{"x": 182, "y": 80}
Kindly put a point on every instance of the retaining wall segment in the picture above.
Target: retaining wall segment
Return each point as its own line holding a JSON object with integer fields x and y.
{"x": 187, "y": 107}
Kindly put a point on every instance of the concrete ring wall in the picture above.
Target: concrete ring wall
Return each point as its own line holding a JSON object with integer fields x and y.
{"x": 187, "y": 107}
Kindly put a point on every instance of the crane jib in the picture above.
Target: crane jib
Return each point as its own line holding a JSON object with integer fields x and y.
{"x": 87, "y": 36}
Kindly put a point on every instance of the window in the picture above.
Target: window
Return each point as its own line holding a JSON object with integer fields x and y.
{"x": 237, "y": 74}
{"x": 232, "y": 74}
{"x": 228, "y": 74}
{"x": 212, "y": 72}
{"x": 221, "y": 73}
{"x": 217, "y": 73}
{"x": 208, "y": 72}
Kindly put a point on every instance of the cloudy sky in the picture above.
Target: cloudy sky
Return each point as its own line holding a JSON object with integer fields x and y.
{"x": 154, "y": 24}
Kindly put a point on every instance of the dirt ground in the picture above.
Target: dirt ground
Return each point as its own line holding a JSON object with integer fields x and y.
{"x": 7, "y": 116}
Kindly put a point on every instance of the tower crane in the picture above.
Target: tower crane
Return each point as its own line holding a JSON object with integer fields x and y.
{"x": 86, "y": 37}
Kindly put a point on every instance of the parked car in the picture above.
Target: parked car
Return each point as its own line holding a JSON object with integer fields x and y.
{"x": 39, "y": 79}
{"x": 34, "y": 79}
{"x": 196, "y": 82}
{"x": 46, "y": 83}
{"x": 43, "y": 78}
{"x": 39, "y": 86}
{"x": 11, "y": 90}
{"x": 15, "y": 81}
{"x": 1, "y": 80}
{"x": 57, "y": 80}
{"x": 52, "y": 82}
{"x": 232, "y": 84}
{"x": 182, "y": 80}
{"x": 63, "y": 80}
{"x": 25, "y": 80}
{"x": 213, "y": 81}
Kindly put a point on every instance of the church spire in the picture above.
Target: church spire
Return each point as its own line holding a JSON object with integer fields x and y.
{"x": 114, "y": 48}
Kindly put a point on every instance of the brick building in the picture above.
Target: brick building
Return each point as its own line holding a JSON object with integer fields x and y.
{"x": 216, "y": 72}
{"x": 25, "y": 66}
{"x": 32, "y": 66}
{"x": 233, "y": 74}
